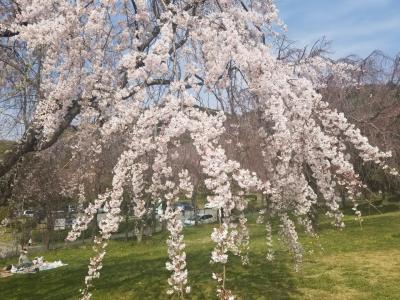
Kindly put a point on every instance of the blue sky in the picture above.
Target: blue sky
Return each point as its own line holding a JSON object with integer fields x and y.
{"x": 354, "y": 26}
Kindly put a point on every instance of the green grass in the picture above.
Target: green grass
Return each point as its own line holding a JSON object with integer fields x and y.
{"x": 352, "y": 264}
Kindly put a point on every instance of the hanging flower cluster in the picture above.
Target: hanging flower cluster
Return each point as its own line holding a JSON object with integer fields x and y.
{"x": 176, "y": 253}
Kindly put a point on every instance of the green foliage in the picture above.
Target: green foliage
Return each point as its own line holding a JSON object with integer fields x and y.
{"x": 378, "y": 203}
{"x": 4, "y": 213}
{"x": 21, "y": 227}
{"x": 252, "y": 203}
{"x": 4, "y": 146}
{"x": 354, "y": 264}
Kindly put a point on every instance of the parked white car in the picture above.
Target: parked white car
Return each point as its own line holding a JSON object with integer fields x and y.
{"x": 28, "y": 213}
{"x": 201, "y": 219}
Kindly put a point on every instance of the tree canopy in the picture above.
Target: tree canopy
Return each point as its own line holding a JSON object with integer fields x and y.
{"x": 164, "y": 74}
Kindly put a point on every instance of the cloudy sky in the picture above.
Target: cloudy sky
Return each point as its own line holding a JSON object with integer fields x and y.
{"x": 354, "y": 26}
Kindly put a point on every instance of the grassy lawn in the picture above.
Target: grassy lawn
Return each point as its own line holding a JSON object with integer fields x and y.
{"x": 353, "y": 264}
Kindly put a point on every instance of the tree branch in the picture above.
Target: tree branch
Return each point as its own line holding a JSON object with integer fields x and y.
{"x": 31, "y": 142}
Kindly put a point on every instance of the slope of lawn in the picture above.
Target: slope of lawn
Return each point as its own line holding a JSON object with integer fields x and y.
{"x": 352, "y": 264}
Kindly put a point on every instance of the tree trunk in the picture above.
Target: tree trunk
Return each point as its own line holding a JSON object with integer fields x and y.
{"x": 154, "y": 220}
{"x": 95, "y": 226}
{"x": 343, "y": 197}
{"x": 46, "y": 238}
{"x": 126, "y": 227}
{"x": 194, "y": 203}
{"x": 139, "y": 231}
{"x": 164, "y": 222}
{"x": 48, "y": 231}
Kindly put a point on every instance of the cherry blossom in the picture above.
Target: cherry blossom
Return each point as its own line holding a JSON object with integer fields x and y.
{"x": 147, "y": 73}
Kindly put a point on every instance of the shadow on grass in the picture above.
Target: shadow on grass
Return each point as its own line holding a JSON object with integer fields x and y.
{"x": 142, "y": 275}
{"x": 146, "y": 279}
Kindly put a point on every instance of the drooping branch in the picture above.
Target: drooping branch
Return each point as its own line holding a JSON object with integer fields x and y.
{"x": 31, "y": 140}
{"x": 8, "y": 33}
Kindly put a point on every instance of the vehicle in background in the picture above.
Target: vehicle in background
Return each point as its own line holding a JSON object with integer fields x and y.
{"x": 69, "y": 222}
{"x": 184, "y": 206}
{"x": 201, "y": 219}
{"x": 28, "y": 213}
{"x": 71, "y": 209}
{"x": 101, "y": 211}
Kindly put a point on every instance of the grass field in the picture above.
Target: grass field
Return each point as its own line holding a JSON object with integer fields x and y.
{"x": 353, "y": 264}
